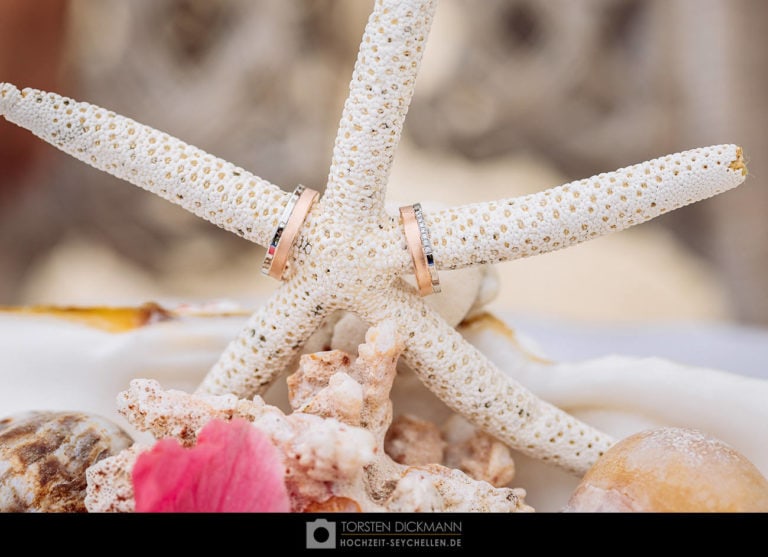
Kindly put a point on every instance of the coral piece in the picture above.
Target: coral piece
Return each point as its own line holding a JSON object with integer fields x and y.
{"x": 146, "y": 407}
{"x": 477, "y": 454}
{"x": 44, "y": 457}
{"x": 232, "y": 468}
{"x": 620, "y": 395}
{"x": 350, "y": 253}
{"x": 436, "y": 488}
{"x": 332, "y": 446}
{"x": 671, "y": 470}
{"x": 316, "y": 450}
{"x": 110, "y": 486}
{"x": 415, "y": 442}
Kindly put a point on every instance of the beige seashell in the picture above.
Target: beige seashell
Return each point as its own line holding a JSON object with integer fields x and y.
{"x": 671, "y": 470}
{"x": 44, "y": 455}
{"x": 622, "y": 396}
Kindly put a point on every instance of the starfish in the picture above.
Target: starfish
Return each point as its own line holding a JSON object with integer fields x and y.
{"x": 351, "y": 252}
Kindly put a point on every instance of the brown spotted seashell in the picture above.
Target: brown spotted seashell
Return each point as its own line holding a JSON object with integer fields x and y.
{"x": 44, "y": 455}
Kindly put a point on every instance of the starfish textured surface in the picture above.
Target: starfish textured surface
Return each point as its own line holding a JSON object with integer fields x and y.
{"x": 351, "y": 254}
{"x": 584, "y": 209}
{"x": 211, "y": 188}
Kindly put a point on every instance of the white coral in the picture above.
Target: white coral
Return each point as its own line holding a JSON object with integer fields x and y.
{"x": 333, "y": 444}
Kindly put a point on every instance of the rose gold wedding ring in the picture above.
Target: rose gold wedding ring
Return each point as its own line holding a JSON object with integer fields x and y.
{"x": 294, "y": 214}
{"x": 420, "y": 247}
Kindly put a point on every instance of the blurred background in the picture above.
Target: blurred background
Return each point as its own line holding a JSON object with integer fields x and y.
{"x": 515, "y": 96}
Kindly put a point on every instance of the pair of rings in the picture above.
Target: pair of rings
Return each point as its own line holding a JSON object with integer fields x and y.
{"x": 296, "y": 211}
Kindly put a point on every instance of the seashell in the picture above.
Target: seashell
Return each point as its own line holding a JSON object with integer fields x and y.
{"x": 44, "y": 456}
{"x": 177, "y": 345}
{"x": 622, "y": 396}
{"x": 99, "y": 350}
{"x": 671, "y": 470}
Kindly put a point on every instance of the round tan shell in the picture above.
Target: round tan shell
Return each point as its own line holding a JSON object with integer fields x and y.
{"x": 671, "y": 470}
{"x": 44, "y": 455}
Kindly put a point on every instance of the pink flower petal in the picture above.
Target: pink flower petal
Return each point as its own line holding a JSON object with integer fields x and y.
{"x": 233, "y": 468}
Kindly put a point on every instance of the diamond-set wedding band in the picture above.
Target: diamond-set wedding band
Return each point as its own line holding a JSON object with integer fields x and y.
{"x": 294, "y": 214}
{"x": 420, "y": 247}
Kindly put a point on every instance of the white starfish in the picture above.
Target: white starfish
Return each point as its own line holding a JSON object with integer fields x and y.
{"x": 351, "y": 253}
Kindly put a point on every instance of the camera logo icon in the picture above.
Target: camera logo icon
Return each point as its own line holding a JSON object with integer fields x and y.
{"x": 321, "y": 534}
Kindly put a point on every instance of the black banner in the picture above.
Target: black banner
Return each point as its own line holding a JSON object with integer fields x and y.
{"x": 327, "y": 534}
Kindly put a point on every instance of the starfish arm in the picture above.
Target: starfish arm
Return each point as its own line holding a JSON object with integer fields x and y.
{"x": 379, "y": 94}
{"x": 560, "y": 217}
{"x": 211, "y": 188}
{"x": 470, "y": 384}
{"x": 271, "y": 338}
